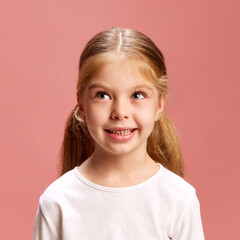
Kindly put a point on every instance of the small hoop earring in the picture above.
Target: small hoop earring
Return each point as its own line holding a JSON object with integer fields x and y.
{"x": 77, "y": 115}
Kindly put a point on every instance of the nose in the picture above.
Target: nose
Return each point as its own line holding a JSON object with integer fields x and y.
{"x": 119, "y": 111}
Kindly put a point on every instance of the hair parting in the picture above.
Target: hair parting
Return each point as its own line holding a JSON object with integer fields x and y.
{"x": 120, "y": 41}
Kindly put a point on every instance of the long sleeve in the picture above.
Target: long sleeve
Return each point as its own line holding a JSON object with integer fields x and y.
{"x": 43, "y": 229}
{"x": 190, "y": 224}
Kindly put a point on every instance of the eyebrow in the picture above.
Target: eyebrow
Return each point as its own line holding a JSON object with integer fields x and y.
{"x": 106, "y": 87}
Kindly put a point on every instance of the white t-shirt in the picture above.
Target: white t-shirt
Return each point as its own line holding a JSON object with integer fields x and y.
{"x": 163, "y": 207}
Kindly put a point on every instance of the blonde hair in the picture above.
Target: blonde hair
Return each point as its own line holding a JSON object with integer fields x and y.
{"x": 163, "y": 145}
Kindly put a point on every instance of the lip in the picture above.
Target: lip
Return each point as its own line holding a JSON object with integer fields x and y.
{"x": 119, "y": 128}
{"x": 120, "y": 138}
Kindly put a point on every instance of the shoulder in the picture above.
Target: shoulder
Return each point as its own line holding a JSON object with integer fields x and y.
{"x": 176, "y": 187}
{"x": 180, "y": 203}
{"x": 57, "y": 190}
{"x": 51, "y": 204}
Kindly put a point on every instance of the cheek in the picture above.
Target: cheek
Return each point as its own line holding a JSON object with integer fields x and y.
{"x": 94, "y": 114}
{"x": 146, "y": 116}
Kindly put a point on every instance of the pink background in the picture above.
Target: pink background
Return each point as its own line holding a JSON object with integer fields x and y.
{"x": 40, "y": 47}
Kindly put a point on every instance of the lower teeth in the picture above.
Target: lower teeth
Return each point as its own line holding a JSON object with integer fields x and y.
{"x": 121, "y": 134}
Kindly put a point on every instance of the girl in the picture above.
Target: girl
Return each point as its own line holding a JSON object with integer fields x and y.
{"x": 122, "y": 168}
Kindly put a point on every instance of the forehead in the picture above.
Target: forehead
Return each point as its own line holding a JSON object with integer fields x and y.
{"x": 125, "y": 71}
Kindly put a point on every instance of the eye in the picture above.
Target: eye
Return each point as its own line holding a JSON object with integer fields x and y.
{"x": 102, "y": 95}
{"x": 138, "y": 95}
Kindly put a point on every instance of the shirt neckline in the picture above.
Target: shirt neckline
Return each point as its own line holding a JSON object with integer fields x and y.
{"x": 117, "y": 189}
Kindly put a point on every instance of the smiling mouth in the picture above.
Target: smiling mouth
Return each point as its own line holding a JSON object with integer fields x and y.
{"x": 121, "y": 132}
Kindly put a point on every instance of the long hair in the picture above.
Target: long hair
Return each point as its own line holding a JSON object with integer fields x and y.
{"x": 162, "y": 145}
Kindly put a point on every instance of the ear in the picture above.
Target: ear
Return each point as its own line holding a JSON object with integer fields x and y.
{"x": 161, "y": 103}
{"x": 80, "y": 105}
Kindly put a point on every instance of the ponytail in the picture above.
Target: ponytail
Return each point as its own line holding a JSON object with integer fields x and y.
{"x": 77, "y": 143}
{"x": 163, "y": 145}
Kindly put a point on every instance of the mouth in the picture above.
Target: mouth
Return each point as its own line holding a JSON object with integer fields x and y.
{"x": 122, "y": 132}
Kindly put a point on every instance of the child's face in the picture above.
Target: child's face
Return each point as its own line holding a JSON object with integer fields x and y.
{"x": 120, "y": 108}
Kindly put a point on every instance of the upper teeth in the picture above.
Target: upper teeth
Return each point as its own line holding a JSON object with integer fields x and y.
{"x": 124, "y": 132}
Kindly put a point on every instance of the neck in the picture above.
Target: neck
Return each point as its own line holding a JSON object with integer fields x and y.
{"x": 108, "y": 164}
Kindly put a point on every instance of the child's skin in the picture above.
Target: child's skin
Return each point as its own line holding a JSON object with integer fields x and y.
{"x": 119, "y": 97}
